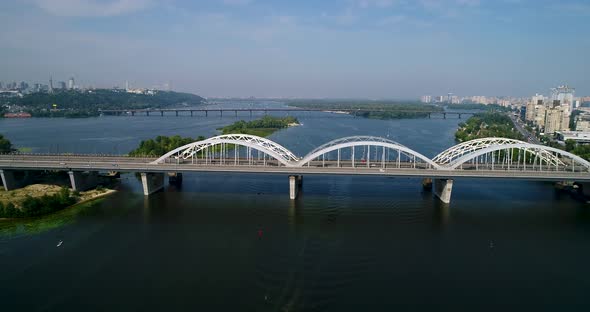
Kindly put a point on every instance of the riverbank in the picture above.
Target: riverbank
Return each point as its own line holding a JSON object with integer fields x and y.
{"x": 53, "y": 198}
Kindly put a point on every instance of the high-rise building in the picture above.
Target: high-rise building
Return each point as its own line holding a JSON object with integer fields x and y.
{"x": 71, "y": 83}
{"x": 0, "y": 85}
{"x": 426, "y": 99}
{"x": 564, "y": 94}
{"x": 50, "y": 84}
{"x": 61, "y": 85}
{"x": 556, "y": 118}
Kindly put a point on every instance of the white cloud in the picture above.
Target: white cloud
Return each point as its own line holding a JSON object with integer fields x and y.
{"x": 92, "y": 7}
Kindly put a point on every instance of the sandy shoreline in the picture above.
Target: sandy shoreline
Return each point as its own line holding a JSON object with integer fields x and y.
{"x": 38, "y": 190}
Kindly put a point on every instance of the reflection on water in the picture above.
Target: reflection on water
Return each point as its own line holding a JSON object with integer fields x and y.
{"x": 346, "y": 244}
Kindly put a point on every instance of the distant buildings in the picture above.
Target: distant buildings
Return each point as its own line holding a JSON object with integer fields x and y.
{"x": 71, "y": 83}
{"x": 552, "y": 115}
{"x": 426, "y": 99}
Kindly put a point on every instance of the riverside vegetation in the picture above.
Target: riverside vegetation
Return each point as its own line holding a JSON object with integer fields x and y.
{"x": 35, "y": 206}
{"x": 5, "y": 145}
{"x": 484, "y": 125}
{"x": 372, "y": 109}
{"x": 494, "y": 124}
{"x": 263, "y": 127}
{"x": 88, "y": 104}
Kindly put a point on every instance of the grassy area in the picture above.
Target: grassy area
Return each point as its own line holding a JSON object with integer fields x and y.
{"x": 45, "y": 198}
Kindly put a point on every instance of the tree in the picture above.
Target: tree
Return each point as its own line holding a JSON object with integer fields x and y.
{"x": 5, "y": 145}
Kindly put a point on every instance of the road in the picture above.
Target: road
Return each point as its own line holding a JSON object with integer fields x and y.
{"x": 129, "y": 164}
{"x": 529, "y": 137}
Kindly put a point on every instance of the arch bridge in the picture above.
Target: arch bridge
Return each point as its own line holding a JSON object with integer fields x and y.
{"x": 356, "y": 155}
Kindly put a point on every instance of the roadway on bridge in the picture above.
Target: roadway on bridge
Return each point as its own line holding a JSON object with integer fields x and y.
{"x": 131, "y": 164}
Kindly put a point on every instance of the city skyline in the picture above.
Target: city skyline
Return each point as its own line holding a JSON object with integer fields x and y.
{"x": 347, "y": 49}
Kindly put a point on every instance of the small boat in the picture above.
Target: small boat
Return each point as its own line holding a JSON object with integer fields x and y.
{"x": 59, "y": 244}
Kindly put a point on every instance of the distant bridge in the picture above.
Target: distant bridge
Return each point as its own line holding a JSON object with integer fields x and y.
{"x": 220, "y": 111}
{"x": 358, "y": 155}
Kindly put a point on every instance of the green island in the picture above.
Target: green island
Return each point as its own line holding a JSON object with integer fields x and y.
{"x": 161, "y": 145}
{"x": 484, "y": 125}
{"x": 372, "y": 109}
{"x": 89, "y": 103}
{"x": 263, "y": 127}
{"x": 41, "y": 199}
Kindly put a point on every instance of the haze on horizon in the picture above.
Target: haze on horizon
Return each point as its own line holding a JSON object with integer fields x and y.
{"x": 307, "y": 48}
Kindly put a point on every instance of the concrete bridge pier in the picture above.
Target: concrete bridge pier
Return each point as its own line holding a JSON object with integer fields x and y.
{"x": 175, "y": 178}
{"x": 442, "y": 189}
{"x": 82, "y": 181}
{"x": 13, "y": 179}
{"x": 427, "y": 184}
{"x": 295, "y": 183}
{"x": 152, "y": 182}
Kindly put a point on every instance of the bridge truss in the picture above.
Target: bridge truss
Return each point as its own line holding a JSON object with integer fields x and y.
{"x": 379, "y": 153}
{"x": 366, "y": 151}
{"x": 220, "y": 149}
{"x": 455, "y": 152}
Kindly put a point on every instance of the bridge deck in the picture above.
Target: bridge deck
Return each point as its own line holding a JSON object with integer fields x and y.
{"x": 131, "y": 164}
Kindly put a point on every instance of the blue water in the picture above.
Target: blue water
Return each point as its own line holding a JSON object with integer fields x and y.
{"x": 349, "y": 243}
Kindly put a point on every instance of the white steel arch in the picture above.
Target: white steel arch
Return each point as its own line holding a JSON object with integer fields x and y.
{"x": 527, "y": 147}
{"x": 275, "y": 150}
{"x": 455, "y": 152}
{"x": 354, "y": 141}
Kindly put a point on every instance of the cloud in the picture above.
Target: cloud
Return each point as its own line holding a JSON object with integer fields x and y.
{"x": 92, "y": 7}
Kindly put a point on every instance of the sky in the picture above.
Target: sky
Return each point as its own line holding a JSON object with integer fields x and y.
{"x": 306, "y": 48}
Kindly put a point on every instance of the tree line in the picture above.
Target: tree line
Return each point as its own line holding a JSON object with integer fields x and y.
{"x": 5, "y": 145}
{"x": 89, "y": 103}
{"x": 266, "y": 122}
{"x": 484, "y": 125}
{"x": 36, "y": 206}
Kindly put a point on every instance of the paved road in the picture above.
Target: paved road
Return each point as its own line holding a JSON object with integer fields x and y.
{"x": 529, "y": 137}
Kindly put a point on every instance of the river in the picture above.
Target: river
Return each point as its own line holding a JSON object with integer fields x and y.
{"x": 224, "y": 242}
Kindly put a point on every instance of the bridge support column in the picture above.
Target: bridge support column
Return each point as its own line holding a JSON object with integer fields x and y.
{"x": 83, "y": 181}
{"x": 443, "y": 189}
{"x": 152, "y": 182}
{"x": 175, "y": 178}
{"x": 427, "y": 184}
{"x": 12, "y": 179}
{"x": 295, "y": 183}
